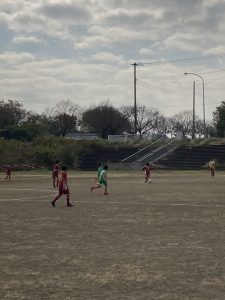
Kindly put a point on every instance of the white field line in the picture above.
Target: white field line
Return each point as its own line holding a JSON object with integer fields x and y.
{"x": 37, "y": 190}
{"x": 30, "y": 199}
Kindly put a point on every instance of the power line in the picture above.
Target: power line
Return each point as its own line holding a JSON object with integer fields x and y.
{"x": 183, "y": 60}
{"x": 188, "y": 105}
{"x": 182, "y": 75}
{"x": 160, "y": 89}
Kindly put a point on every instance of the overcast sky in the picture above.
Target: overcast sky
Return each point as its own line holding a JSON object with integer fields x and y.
{"x": 83, "y": 51}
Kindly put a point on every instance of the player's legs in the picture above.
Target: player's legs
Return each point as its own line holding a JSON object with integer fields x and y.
{"x": 64, "y": 192}
{"x": 97, "y": 186}
{"x": 105, "y": 192}
{"x": 54, "y": 179}
{"x": 67, "y": 193}
{"x": 7, "y": 176}
{"x": 104, "y": 182}
{"x": 56, "y": 198}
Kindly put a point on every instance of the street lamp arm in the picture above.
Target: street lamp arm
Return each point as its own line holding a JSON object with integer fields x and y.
{"x": 187, "y": 73}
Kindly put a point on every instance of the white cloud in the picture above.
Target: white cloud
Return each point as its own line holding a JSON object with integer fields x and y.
{"x": 106, "y": 57}
{"x": 14, "y": 59}
{"x": 146, "y": 51}
{"x": 85, "y": 50}
{"x": 21, "y": 39}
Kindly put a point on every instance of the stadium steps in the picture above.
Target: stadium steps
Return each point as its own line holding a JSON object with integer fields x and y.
{"x": 139, "y": 154}
{"x": 194, "y": 157}
{"x": 88, "y": 161}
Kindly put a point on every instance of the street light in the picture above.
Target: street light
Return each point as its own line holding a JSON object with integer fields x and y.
{"x": 203, "y": 98}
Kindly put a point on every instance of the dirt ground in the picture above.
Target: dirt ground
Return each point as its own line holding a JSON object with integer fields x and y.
{"x": 164, "y": 240}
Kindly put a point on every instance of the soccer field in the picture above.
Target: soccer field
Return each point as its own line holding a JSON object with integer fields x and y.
{"x": 164, "y": 240}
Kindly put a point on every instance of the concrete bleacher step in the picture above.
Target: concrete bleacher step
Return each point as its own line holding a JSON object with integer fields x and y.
{"x": 89, "y": 161}
{"x": 194, "y": 157}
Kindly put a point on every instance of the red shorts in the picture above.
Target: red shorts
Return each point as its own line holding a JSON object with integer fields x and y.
{"x": 64, "y": 192}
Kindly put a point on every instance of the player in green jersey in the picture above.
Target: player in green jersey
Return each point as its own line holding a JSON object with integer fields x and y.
{"x": 102, "y": 180}
{"x": 100, "y": 168}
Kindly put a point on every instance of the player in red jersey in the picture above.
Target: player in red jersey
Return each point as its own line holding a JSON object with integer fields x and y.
{"x": 8, "y": 171}
{"x": 55, "y": 173}
{"x": 147, "y": 168}
{"x": 63, "y": 187}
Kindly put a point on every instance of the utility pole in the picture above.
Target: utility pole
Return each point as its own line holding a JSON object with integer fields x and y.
{"x": 203, "y": 98}
{"x": 135, "y": 98}
{"x": 193, "y": 124}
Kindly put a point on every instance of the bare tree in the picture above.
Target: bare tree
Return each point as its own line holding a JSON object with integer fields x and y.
{"x": 182, "y": 122}
{"x": 62, "y": 117}
{"x": 147, "y": 118}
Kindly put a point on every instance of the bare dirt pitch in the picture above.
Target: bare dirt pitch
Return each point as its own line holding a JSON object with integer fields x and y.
{"x": 164, "y": 240}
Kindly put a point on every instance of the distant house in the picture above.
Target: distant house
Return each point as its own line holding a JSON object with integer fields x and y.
{"x": 82, "y": 136}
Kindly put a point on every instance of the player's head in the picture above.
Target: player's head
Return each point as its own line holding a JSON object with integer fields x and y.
{"x": 64, "y": 168}
{"x": 105, "y": 167}
{"x": 57, "y": 161}
{"x": 147, "y": 164}
{"x": 99, "y": 164}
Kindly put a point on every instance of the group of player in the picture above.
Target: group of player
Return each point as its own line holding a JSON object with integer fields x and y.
{"x": 59, "y": 177}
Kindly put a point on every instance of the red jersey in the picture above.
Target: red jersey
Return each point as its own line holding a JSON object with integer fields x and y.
{"x": 55, "y": 171}
{"x": 56, "y": 168}
{"x": 8, "y": 170}
{"x": 63, "y": 181}
{"x": 147, "y": 170}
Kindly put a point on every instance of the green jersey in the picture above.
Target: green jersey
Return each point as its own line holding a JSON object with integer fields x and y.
{"x": 102, "y": 177}
{"x": 99, "y": 171}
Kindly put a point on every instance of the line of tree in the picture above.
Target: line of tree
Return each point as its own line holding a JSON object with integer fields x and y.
{"x": 104, "y": 119}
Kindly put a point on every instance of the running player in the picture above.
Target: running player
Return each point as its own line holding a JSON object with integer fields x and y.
{"x": 63, "y": 187}
{"x": 55, "y": 173}
{"x": 147, "y": 168}
{"x": 102, "y": 181}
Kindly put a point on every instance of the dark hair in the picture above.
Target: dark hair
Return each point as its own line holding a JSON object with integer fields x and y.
{"x": 99, "y": 164}
{"x": 147, "y": 164}
{"x": 57, "y": 161}
{"x": 64, "y": 168}
{"x": 105, "y": 167}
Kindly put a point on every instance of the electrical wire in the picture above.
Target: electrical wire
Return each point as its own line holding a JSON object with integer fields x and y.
{"x": 183, "y": 60}
{"x": 159, "y": 88}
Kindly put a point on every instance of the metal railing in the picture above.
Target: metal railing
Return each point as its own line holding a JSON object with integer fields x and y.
{"x": 159, "y": 152}
{"x": 144, "y": 151}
